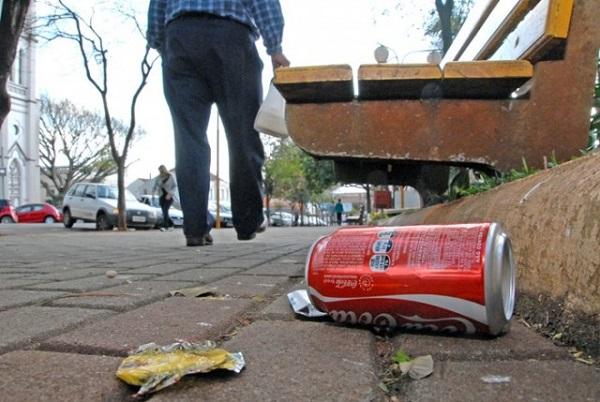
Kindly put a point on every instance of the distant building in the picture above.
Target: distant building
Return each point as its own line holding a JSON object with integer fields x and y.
{"x": 403, "y": 197}
{"x": 406, "y": 197}
{"x": 19, "y": 149}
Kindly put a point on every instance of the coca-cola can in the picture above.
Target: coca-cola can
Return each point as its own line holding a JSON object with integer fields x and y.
{"x": 446, "y": 278}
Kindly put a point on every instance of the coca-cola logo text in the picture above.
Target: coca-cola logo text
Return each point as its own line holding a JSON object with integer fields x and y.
{"x": 415, "y": 322}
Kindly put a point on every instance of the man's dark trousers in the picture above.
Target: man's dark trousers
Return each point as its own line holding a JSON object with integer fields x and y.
{"x": 206, "y": 60}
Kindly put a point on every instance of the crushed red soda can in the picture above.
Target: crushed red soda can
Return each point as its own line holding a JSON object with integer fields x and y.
{"x": 446, "y": 278}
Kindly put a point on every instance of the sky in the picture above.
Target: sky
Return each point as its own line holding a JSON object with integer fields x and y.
{"x": 316, "y": 32}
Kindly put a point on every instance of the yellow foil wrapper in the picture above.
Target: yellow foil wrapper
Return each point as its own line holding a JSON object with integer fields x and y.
{"x": 155, "y": 367}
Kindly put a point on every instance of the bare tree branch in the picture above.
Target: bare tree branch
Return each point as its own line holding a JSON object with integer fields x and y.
{"x": 91, "y": 46}
{"x": 77, "y": 135}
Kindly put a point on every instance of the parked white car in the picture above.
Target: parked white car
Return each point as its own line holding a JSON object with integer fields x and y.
{"x": 280, "y": 218}
{"x": 312, "y": 220}
{"x": 175, "y": 214}
{"x": 97, "y": 202}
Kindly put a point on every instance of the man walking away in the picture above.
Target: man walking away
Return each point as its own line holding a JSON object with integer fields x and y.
{"x": 209, "y": 56}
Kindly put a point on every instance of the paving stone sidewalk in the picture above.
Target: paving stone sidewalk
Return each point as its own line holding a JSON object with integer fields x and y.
{"x": 65, "y": 326}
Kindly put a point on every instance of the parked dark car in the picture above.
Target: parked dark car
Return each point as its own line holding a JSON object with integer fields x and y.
{"x": 38, "y": 213}
{"x": 7, "y": 212}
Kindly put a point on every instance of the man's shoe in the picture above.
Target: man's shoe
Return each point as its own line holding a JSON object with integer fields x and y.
{"x": 206, "y": 240}
{"x": 259, "y": 229}
{"x": 195, "y": 241}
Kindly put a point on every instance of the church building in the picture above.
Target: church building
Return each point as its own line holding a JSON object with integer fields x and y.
{"x": 19, "y": 149}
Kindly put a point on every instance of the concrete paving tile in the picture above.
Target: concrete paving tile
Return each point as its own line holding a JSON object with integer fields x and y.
{"x": 280, "y": 308}
{"x": 532, "y": 380}
{"x": 46, "y": 376}
{"x": 4, "y": 275}
{"x": 519, "y": 343}
{"x": 90, "y": 283}
{"x": 13, "y": 298}
{"x": 163, "y": 322}
{"x": 289, "y": 361}
{"x": 238, "y": 262}
{"x": 124, "y": 297}
{"x": 201, "y": 275}
{"x": 24, "y": 325}
{"x": 247, "y": 285}
{"x": 277, "y": 268}
{"x": 164, "y": 268}
{"x": 70, "y": 273}
{"x": 198, "y": 259}
{"x": 140, "y": 262}
{"x": 49, "y": 269}
{"x": 19, "y": 283}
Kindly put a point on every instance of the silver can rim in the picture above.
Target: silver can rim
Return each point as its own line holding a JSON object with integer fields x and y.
{"x": 499, "y": 280}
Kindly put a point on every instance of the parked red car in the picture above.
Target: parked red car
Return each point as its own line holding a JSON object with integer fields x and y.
{"x": 7, "y": 212}
{"x": 38, "y": 213}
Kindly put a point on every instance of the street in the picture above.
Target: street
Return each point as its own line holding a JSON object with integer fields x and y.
{"x": 65, "y": 326}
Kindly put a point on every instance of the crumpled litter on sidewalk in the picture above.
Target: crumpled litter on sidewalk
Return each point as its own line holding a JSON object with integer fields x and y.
{"x": 199, "y": 291}
{"x": 302, "y": 305}
{"x": 404, "y": 366}
{"x": 155, "y": 367}
{"x": 495, "y": 379}
{"x": 417, "y": 368}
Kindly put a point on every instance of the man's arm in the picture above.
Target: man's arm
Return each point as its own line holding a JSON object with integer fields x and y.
{"x": 269, "y": 20}
{"x": 156, "y": 23}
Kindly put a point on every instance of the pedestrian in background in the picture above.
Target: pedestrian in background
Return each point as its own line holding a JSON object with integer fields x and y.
{"x": 209, "y": 56}
{"x": 339, "y": 210}
{"x": 166, "y": 187}
{"x": 296, "y": 213}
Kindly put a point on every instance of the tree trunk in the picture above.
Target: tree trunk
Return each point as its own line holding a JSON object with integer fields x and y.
{"x": 444, "y": 9}
{"x": 268, "y": 202}
{"x": 12, "y": 21}
{"x": 122, "y": 219}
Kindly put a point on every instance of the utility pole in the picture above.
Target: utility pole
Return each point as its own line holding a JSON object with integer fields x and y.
{"x": 2, "y": 168}
{"x": 218, "y": 184}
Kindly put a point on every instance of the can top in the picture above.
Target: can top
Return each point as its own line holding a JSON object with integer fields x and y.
{"x": 499, "y": 280}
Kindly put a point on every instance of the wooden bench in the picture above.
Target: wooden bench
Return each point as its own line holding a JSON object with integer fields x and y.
{"x": 516, "y": 84}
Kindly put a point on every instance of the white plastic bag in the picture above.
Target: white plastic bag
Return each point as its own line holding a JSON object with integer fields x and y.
{"x": 271, "y": 115}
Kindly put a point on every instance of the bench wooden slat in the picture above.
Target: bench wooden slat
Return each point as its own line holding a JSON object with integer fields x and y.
{"x": 502, "y": 20}
{"x": 332, "y": 83}
{"x": 399, "y": 81}
{"x": 475, "y": 19}
{"x": 544, "y": 28}
{"x": 484, "y": 79}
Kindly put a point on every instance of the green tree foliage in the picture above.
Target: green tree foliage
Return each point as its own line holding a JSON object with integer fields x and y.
{"x": 446, "y": 21}
{"x": 594, "y": 138}
{"x": 318, "y": 173}
{"x": 296, "y": 176}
